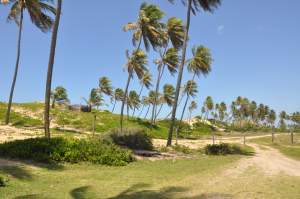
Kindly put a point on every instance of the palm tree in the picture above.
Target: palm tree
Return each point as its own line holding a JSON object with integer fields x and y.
{"x": 59, "y": 93}
{"x": 222, "y": 111}
{"x": 167, "y": 97}
{"x": 146, "y": 102}
{"x": 95, "y": 99}
{"x": 117, "y": 96}
{"x": 191, "y": 108}
{"x": 174, "y": 32}
{"x": 136, "y": 63}
{"x": 38, "y": 12}
{"x": 150, "y": 100}
{"x": 133, "y": 101}
{"x": 201, "y": 61}
{"x": 145, "y": 82}
{"x": 209, "y": 105}
{"x": 105, "y": 86}
{"x": 282, "y": 118}
{"x": 192, "y": 7}
{"x": 190, "y": 90}
{"x": 148, "y": 27}
{"x": 171, "y": 60}
{"x": 50, "y": 69}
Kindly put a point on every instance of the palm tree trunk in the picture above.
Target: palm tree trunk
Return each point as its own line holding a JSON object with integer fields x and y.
{"x": 7, "y": 119}
{"x": 125, "y": 99}
{"x": 139, "y": 98}
{"x": 114, "y": 106}
{"x": 50, "y": 70}
{"x": 156, "y": 94}
{"x": 147, "y": 112}
{"x": 159, "y": 110}
{"x": 180, "y": 73}
{"x": 53, "y": 104}
{"x": 141, "y": 111}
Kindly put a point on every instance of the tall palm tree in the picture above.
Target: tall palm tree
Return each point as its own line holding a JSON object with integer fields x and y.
{"x": 173, "y": 32}
{"x": 59, "y": 93}
{"x": 145, "y": 82}
{"x": 192, "y": 7}
{"x": 171, "y": 60}
{"x": 209, "y": 105}
{"x": 136, "y": 64}
{"x": 117, "y": 96}
{"x": 201, "y": 61}
{"x": 105, "y": 86}
{"x": 133, "y": 101}
{"x": 148, "y": 27}
{"x": 167, "y": 97}
{"x": 191, "y": 108}
{"x": 95, "y": 99}
{"x": 50, "y": 69}
{"x": 146, "y": 102}
{"x": 38, "y": 12}
{"x": 282, "y": 118}
{"x": 190, "y": 90}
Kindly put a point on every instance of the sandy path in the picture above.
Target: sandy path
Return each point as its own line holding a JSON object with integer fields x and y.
{"x": 269, "y": 160}
{"x": 195, "y": 144}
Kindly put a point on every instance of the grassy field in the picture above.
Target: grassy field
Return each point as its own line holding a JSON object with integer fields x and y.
{"x": 202, "y": 177}
{"x": 282, "y": 142}
{"x": 105, "y": 120}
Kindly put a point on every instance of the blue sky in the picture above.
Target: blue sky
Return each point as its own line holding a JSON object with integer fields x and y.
{"x": 255, "y": 46}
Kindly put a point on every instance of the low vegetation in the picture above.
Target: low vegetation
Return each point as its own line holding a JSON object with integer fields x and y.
{"x": 60, "y": 149}
{"x": 227, "y": 149}
{"x": 132, "y": 138}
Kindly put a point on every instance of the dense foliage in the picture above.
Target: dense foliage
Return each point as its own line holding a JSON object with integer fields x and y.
{"x": 226, "y": 149}
{"x": 133, "y": 138}
{"x": 66, "y": 150}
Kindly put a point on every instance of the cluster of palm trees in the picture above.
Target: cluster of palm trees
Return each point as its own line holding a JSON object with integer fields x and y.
{"x": 41, "y": 13}
{"x": 243, "y": 111}
{"x": 167, "y": 39}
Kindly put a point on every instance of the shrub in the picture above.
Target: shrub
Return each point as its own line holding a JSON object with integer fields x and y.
{"x": 225, "y": 149}
{"x": 182, "y": 149}
{"x": 132, "y": 138}
{"x": 3, "y": 181}
{"x": 66, "y": 150}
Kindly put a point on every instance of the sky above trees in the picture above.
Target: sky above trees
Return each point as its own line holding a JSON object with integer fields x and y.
{"x": 254, "y": 44}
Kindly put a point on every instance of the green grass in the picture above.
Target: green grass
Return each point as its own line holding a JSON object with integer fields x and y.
{"x": 19, "y": 120}
{"x": 187, "y": 178}
{"x": 283, "y": 144}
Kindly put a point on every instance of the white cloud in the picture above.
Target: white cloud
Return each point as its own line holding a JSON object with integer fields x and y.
{"x": 220, "y": 29}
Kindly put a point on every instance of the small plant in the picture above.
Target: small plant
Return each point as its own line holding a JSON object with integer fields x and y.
{"x": 132, "y": 138}
{"x": 3, "y": 181}
{"x": 226, "y": 149}
{"x": 182, "y": 149}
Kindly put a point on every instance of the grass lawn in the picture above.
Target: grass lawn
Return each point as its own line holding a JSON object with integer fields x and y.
{"x": 187, "y": 178}
{"x": 283, "y": 144}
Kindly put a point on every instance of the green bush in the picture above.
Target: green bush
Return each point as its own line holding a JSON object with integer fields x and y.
{"x": 182, "y": 149}
{"x": 3, "y": 181}
{"x": 226, "y": 149}
{"x": 133, "y": 138}
{"x": 66, "y": 150}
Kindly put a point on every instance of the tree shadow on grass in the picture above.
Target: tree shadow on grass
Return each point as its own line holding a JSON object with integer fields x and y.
{"x": 32, "y": 196}
{"x": 18, "y": 172}
{"x": 138, "y": 191}
{"x": 83, "y": 192}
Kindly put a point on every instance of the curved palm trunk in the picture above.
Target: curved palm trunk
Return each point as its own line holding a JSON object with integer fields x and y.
{"x": 141, "y": 111}
{"x": 181, "y": 118}
{"x": 180, "y": 73}
{"x": 7, "y": 119}
{"x": 159, "y": 110}
{"x": 139, "y": 98}
{"x": 125, "y": 99}
{"x": 147, "y": 112}
{"x": 50, "y": 69}
{"x": 114, "y": 106}
{"x": 156, "y": 93}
